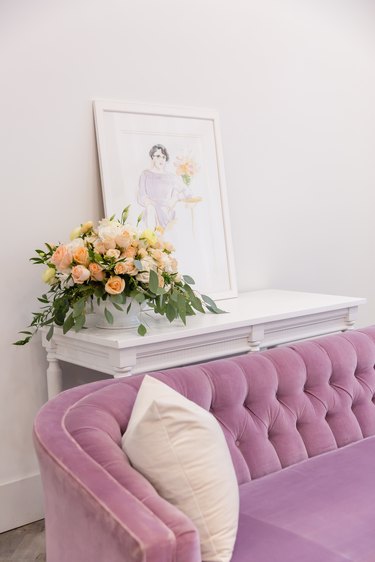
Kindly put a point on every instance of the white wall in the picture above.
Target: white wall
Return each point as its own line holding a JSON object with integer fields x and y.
{"x": 294, "y": 83}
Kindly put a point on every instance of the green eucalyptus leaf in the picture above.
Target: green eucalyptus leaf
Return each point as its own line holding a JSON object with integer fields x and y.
{"x": 50, "y": 333}
{"x": 79, "y": 322}
{"x": 171, "y": 311}
{"x": 142, "y": 330}
{"x": 188, "y": 279}
{"x": 69, "y": 323}
{"x": 118, "y": 307}
{"x": 108, "y": 315}
{"x": 154, "y": 282}
{"x": 79, "y": 307}
{"x": 181, "y": 307}
{"x": 211, "y": 305}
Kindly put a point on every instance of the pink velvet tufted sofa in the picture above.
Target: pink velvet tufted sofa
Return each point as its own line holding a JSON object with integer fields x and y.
{"x": 299, "y": 421}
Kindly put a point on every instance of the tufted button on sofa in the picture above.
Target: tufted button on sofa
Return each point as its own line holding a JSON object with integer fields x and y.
{"x": 299, "y": 422}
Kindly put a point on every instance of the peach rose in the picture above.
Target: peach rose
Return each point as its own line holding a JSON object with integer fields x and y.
{"x": 123, "y": 240}
{"x": 115, "y": 285}
{"x": 168, "y": 247}
{"x": 109, "y": 243}
{"x": 62, "y": 258}
{"x": 99, "y": 247}
{"x": 80, "y": 274}
{"x": 142, "y": 253}
{"x": 81, "y": 256}
{"x": 128, "y": 267}
{"x": 96, "y": 271}
{"x": 130, "y": 252}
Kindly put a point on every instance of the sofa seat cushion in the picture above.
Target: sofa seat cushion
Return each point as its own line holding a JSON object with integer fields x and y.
{"x": 321, "y": 509}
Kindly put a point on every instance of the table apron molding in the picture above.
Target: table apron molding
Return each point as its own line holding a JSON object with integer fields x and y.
{"x": 247, "y": 327}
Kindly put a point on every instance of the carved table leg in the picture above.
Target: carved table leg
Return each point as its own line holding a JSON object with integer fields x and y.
{"x": 255, "y": 338}
{"x": 54, "y": 373}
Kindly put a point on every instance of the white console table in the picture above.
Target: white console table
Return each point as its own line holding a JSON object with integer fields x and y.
{"x": 254, "y": 320}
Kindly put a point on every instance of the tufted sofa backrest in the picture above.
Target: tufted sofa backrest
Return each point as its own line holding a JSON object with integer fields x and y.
{"x": 276, "y": 407}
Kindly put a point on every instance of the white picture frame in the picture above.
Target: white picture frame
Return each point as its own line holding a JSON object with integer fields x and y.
{"x": 179, "y": 187}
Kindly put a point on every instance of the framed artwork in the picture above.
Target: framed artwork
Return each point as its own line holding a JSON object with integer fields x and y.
{"x": 166, "y": 162}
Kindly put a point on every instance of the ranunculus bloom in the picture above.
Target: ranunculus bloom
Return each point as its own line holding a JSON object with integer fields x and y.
{"x": 96, "y": 271}
{"x": 86, "y": 226}
{"x": 75, "y": 233}
{"x": 81, "y": 256}
{"x": 62, "y": 257}
{"x": 80, "y": 274}
{"x": 149, "y": 236}
{"x": 49, "y": 275}
{"x": 115, "y": 285}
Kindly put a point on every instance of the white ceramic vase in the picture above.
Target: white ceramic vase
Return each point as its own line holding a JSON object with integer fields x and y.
{"x": 121, "y": 319}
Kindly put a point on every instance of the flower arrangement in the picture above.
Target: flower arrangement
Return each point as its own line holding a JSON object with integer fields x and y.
{"x": 112, "y": 262}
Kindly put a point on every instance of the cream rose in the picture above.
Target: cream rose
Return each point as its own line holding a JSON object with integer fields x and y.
{"x": 96, "y": 271}
{"x": 115, "y": 285}
{"x": 80, "y": 274}
{"x": 81, "y": 256}
{"x": 113, "y": 253}
{"x": 62, "y": 258}
{"x": 148, "y": 263}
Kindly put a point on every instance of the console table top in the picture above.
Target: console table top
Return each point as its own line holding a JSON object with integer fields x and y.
{"x": 249, "y": 308}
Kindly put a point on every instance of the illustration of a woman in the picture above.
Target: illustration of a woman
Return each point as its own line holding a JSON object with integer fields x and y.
{"x": 159, "y": 190}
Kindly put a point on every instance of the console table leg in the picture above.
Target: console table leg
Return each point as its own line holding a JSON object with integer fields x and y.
{"x": 119, "y": 372}
{"x": 54, "y": 376}
{"x": 255, "y": 338}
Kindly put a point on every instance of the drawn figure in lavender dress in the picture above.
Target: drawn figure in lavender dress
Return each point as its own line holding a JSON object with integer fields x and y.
{"x": 159, "y": 190}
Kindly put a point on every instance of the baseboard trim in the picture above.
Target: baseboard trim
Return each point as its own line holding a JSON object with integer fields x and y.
{"x": 21, "y": 502}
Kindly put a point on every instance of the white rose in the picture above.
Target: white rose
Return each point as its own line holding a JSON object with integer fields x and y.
{"x": 74, "y": 244}
{"x": 148, "y": 263}
{"x": 109, "y": 229}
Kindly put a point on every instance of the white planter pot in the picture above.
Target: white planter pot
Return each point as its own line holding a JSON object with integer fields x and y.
{"x": 121, "y": 319}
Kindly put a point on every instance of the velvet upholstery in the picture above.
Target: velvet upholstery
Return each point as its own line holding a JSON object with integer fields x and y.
{"x": 277, "y": 408}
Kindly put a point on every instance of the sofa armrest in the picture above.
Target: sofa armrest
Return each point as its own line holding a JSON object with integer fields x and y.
{"x": 89, "y": 514}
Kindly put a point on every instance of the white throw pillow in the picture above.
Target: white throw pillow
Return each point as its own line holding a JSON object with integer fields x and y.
{"x": 180, "y": 448}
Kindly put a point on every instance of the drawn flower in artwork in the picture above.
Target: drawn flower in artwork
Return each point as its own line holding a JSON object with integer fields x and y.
{"x": 186, "y": 167}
